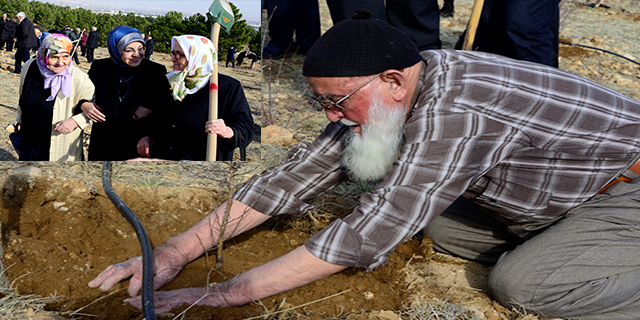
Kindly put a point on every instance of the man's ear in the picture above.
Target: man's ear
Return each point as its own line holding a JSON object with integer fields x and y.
{"x": 397, "y": 82}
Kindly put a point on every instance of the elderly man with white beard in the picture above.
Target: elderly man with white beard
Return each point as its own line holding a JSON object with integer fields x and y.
{"x": 504, "y": 162}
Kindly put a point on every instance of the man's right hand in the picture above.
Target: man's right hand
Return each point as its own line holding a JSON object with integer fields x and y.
{"x": 92, "y": 111}
{"x": 168, "y": 262}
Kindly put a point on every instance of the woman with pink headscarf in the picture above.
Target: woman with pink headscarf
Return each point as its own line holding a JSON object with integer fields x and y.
{"x": 50, "y": 88}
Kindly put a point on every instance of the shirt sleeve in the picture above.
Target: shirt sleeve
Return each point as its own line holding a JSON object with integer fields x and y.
{"x": 443, "y": 154}
{"x": 310, "y": 169}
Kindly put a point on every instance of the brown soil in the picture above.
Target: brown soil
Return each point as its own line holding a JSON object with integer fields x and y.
{"x": 60, "y": 230}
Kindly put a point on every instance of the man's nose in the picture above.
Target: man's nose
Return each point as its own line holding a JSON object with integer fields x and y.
{"x": 334, "y": 115}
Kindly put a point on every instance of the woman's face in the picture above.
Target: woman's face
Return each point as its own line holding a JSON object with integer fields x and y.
{"x": 59, "y": 62}
{"x": 133, "y": 54}
{"x": 178, "y": 58}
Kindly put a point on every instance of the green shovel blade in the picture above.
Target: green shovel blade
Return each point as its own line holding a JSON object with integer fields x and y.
{"x": 222, "y": 14}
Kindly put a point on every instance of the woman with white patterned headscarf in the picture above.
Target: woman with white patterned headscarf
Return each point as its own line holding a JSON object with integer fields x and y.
{"x": 50, "y": 89}
{"x": 182, "y": 129}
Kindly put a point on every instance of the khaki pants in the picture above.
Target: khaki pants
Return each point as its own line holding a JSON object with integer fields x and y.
{"x": 585, "y": 266}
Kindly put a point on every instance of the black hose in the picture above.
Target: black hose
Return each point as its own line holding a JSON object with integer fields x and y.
{"x": 599, "y": 49}
{"x": 147, "y": 253}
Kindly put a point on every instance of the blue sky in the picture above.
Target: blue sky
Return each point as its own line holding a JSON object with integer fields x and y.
{"x": 250, "y": 9}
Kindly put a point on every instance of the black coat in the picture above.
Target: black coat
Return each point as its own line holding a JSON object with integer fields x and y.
{"x": 9, "y": 31}
{"x": 73, "y": 37}
{"x": 117, "y": 137}
{"x": 149, "y": 48}
{"x": 26, "y": 35}
{"x": 179, "y": 130}
{"x": 94, "y": 38}
{"x": 2, "y": 22}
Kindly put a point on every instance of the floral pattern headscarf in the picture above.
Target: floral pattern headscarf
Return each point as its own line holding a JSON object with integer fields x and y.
{"x": 54, "y": 44}
{"x": 201, "y": 56}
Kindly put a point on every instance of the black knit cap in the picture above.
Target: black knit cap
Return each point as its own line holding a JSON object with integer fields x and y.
{"x": 359, "y": 47}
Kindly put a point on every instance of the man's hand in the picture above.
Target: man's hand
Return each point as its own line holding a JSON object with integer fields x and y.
{"x": 141, "y": 112}
{"x": 144, "y": 147}
{"x": 92, "y": 111}
{"x": 164, "y": 301}
{"x": 168, "y": 262}
{"x": 217, "y": 126}
{"x": 297, "y": 268}
{"x": 66, "y": 126}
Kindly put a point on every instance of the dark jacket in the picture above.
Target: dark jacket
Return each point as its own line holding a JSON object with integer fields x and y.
{"x": 179, "y": 130}
{"x": 117, "y": 137}
{"x": 149, "y": 44}
{"x": 74, "y": 37}
{"x": 26, "y": 35}
{"x": 94, "y": 38}
{"x": 9, "y": 31}
{"x": 2, "y": 22}
{"x": 231, "y": 54}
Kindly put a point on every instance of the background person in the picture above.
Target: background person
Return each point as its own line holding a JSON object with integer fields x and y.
{"x": 301, "y": 18}
{"x": 3, "y": 20}
{"x": 182, "y": 128}
{"x": 92, "y": 43}
{"x": 25, "y": 40}
{"x": 231, "y": 57}
{"x": 524, "y": 30}
{"x": 50, "y": 89}
{"x": 75, "y": 39}
{"x": 241, "y": 57}
{"x": 503, "y": 156}
{"x": 127, "y": 89}
{"x": 420, "y": 19}
{"x": 149, "y": 47}
{"x": 9, "y": 34}
{"x": 83, "y": 41}
{"x": 253, "y": 57}
{"x": 447, "y": 9}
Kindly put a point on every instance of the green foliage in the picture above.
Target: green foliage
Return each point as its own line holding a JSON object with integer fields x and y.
{"x": 255, "y": 44}
{"x": 162, "y": 28}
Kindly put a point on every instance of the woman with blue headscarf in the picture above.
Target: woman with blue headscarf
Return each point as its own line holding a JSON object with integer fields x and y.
{"x": 128, "y": 89}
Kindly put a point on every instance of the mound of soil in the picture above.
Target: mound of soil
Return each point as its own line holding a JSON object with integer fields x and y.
{"x": 59, "y": 233}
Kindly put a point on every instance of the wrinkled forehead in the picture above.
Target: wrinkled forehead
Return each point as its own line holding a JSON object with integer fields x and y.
{"x": 331, "y": 85}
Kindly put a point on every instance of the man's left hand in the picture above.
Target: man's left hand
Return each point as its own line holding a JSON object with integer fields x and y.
{"x": 164, "y": 301}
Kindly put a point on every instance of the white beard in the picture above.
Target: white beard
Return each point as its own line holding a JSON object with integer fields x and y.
{"x": 368, "y": 157}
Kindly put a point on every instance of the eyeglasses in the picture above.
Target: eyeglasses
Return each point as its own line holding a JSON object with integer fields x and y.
{"x": 176, "y": 54}
{"x": 325, "y": 102}
{"x": 130, "y": 50}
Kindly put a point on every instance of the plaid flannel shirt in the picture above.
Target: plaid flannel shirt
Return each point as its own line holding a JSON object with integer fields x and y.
{"x": 524, "y": 141}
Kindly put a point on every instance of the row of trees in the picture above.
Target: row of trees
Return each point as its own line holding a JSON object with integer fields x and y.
{"x": 162, "y": 28}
